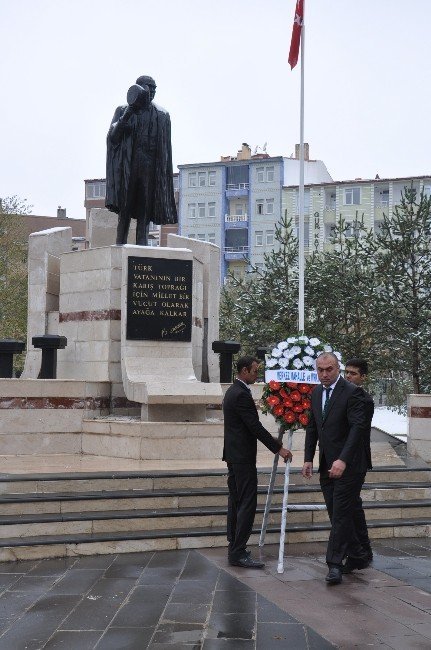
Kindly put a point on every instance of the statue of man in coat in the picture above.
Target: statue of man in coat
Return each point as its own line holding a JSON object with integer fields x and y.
{"x": 139, "y": 183}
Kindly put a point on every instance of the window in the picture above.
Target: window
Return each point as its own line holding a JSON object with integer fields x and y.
{"x": 211, "y": 209}
{"x": 269, "y": 206}
{"x": 270, "y": 238}
{"x": 192, "y": 179}
{"x": 427, "y": 190}
{"x": 352, "y": 196}
{"x": 260, "y": 174}
{"x": 211, "y": 237}
{"x": 329, "y": 231}
{"x": 211, "y": 178}
{"x": 95, "y": 190}
{"x": 259, "y": 206}
{"x": 270, "y": 174}
{"x": 259, "y": 238}
{"x": 192, "y": 211}
{"x": 352, "y": 229}
{"x": 201, "y": 210}
{"x": 191, "y": 236}
{"x": 201, "y": 179}
{"x": 201, "y": 237}
{"x": 240, "y": 209}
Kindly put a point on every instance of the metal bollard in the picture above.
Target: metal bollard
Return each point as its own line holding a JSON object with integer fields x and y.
{"x": 226, "y": 350}
{"x": 49, "y": 344}
{"x": 9, "y": 347}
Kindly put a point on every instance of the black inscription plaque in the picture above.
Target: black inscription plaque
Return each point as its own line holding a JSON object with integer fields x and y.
{"x": 159, "y": 299}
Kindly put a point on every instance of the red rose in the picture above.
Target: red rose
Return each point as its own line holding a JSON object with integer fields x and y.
{"x": 298, "y": 408}
{"x": 278, "y": 410}
{"x": 292, "y": 384}
{"x": 288, "y": 403}
{"x": 304, "y": 388}
{"x": 272, "y": 400}
{"x": 274, "y": 385}
{"x": 295, "y": 395}
{"x": 303, "y": 418}
{"x": 283, "y": 393}
{"x": 306, "y": 403}
{"x": 289, "y": 417}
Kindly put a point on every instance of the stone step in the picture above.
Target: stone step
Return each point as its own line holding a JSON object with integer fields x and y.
{"x": 91, "y": 481}
{"x": 187, "y": 518}
{"x": 56, "y": 502}
{"x": 150, "y": 499}
{"x": 126, "y": 541}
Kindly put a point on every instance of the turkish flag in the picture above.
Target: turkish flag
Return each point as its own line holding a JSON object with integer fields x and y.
{"x": 296, "y": 33}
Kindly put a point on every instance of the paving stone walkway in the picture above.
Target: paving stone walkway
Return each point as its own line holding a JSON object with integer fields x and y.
{"x": 193, "y": 599}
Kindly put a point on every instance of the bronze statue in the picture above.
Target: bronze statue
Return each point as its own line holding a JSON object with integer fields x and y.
{"x": 139, "y": 182}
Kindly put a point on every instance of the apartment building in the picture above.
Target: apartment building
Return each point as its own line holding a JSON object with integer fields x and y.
{"x": 237, "y": 202}
{"x": 357, "y": 199}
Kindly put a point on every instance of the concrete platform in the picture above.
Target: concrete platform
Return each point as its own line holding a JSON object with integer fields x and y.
{"x": 183, "y": 599}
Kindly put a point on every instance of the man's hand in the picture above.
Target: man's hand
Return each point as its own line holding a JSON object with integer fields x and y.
{"x": 337, "y": 469}
{"x": 307, "y": 470}
{"x": 285, "y": 454}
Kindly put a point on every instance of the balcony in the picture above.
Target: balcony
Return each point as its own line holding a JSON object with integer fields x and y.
{"x": 234, "y": 190}
{"x": 235, "y": 220}
{"x": 236, "y": 252}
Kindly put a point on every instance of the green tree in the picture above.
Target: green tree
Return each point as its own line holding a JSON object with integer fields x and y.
{"x": 260, "y": 309}
{"x": 402, "y": 255}
{"x": 340, "y": 291}
{"x": 13, "y": 272}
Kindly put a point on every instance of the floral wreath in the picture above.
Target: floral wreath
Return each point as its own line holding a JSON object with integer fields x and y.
{"x": 290, "y": 401}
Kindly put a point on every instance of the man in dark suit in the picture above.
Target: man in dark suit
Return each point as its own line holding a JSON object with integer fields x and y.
{"x": 242, "y": 429}
{"x": 356, "y": 372}
{"x": 338, "y": 423}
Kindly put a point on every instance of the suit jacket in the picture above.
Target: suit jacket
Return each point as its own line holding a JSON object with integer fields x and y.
{"x": 343, "y": 432}
{"x": 369, "y": 409}
{"x": 242, "y": 427}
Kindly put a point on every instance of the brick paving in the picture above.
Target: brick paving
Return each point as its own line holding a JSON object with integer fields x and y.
{"x": 193, "y": 599}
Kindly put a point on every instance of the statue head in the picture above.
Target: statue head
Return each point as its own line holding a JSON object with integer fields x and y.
{"x": 145, "y": 80}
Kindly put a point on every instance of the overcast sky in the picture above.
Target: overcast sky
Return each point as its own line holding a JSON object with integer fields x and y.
{"x": 222, "y": 73}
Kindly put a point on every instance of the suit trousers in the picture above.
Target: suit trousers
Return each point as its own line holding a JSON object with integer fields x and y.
{"x": 341, "y": 497}
{"x": 242, "y": 502}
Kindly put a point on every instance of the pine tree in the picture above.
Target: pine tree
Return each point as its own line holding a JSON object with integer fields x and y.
{"x": 402, "y": 256}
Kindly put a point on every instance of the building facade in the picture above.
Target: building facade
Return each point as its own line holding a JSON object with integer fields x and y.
{"x": 237, "y": 202}
{"x": 359, "y": 200}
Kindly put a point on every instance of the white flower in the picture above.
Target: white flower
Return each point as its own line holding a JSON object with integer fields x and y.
{"x": 283, "y": 363}
{"x": 282, "y": 345}
{"x": 295, "y": 350}
{"x": 292, "y": 339}
{"x": 314, "y": 342}
{"x": 303, "y": 339}
{"x": 319, "y": 353}
{"x": 327, "y": 348}
{"x": 297, "y": 363}
{"x": 276, "y": 353}
{"x": 308, "y": 361}
{"x": 270, "y": 363}
{"x": 338, "y": 355}
{"x": 309, "y": 351}
{"x": 288, "y": 354}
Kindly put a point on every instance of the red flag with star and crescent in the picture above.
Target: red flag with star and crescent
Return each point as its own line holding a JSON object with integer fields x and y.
{"x": 296, "y": 33}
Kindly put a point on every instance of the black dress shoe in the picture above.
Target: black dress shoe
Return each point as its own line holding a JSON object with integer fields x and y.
{"x": 334, "y": 576}
{"x": 353, "y": 563}
{"x": 247, "y": 562}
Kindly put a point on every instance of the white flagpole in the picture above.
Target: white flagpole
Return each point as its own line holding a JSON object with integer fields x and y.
{"x": 280, "y": 565}
{"x": 301, "y": 258}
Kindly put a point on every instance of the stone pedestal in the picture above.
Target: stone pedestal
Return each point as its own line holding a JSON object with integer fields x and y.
{"x": 419, "y": 426}
{"x": 157, "y": 361}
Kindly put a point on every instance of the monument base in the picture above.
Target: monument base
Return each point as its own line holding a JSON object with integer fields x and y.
{"x": 173, "y": 412}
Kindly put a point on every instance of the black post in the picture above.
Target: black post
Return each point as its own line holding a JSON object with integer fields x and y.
{"x": 9, "y": 347}
{"x": 260, "y": 354}
{"x": 226, "y": 350}
{"x": 49, "y": 344}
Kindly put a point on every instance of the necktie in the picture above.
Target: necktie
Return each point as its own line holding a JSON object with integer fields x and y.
{"x": 326, "y": 404}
